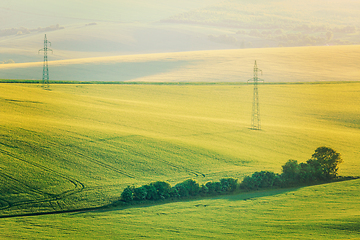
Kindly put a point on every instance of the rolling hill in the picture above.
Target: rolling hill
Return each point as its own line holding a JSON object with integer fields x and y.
{"x": 174, "y": 105}
{"x": 317, "y": 212}
{"x": 299, "y": 64}
{"x": 80, "y": 29}
{"x": 79, "y": 145}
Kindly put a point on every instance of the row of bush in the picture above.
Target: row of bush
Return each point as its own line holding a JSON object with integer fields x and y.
{"x": 189, "y": 188}
{"x": 322, "y": 166}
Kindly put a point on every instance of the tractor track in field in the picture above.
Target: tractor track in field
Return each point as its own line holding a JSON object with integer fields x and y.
{"x": 31, "y": 189}
{"x": 136, "y": 153}
{"x": 82, "y": 210}
{"x": 104, "y": 165}
{"x": 245, "y": 196}
{"x": 169, "y": 164}
{"x": 4, "y": 204}
{"x": 55, "y": 201}
{"x": 180, "y": 167}
{"x": 78, "y": 186}
{"x": 77, "y": 151}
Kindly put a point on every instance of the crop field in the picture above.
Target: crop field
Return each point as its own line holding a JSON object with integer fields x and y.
{"x": 78, "y": 146}
{"x": 328, "y": 211}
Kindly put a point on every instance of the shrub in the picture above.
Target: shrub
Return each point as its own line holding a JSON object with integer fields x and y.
{"x": 263, "y": 179}
{"x": 290, "y": 172}
{"x": 323, "y": 165}
{"x": 308, "y": 173}
{"x": 151, "y": 193}
{"x": 228, "y": 184}
{"x": 266, "y": 179}
{"x": 204, "y": 190}
{"x": 328, "y": 159}
{"x": 174, "y": 193}
{"x": 248, "y": 183}
{"x": 162, "y": 189}
{"x": 188, "y": 188}
{"x": 140, "y": 193}
{"x": 182, "y": 190}
{"x": 127, "y": 194}
{"x": 213, "y": 187}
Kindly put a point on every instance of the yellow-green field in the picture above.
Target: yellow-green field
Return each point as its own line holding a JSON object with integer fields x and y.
{"x": 78, "y": 146}
{"x": 328, "y": 211}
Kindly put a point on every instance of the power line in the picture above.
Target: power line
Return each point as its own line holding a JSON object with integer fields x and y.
{"x": 45, "y": 77}
{"x": 255, "y": 116}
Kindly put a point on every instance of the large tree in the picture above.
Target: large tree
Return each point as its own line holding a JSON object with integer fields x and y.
{"x": 326, "y": 160}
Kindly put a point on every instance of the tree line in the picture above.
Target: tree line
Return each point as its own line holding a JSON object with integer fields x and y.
{"x": 321, "y": 167}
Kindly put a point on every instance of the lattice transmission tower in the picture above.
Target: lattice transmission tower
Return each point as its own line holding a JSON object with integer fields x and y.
{"x": 45, "y": 77}
{"x": 255, "y": 117}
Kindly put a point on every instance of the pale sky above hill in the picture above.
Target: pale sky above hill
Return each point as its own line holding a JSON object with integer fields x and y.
{"x": 236, "y": 23}
{"x": 37, "y": 13}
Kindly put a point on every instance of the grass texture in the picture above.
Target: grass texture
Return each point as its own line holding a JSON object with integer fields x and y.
{"x": 78, "y": 146}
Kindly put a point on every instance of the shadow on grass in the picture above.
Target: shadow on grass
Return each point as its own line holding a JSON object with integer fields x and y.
{"x": 236, "y": 196}
{"x": 244, "y": 196}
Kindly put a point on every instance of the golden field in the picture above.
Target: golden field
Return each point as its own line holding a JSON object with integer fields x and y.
{"x": 296, "y": 64}
{"x": 79, "y": 145}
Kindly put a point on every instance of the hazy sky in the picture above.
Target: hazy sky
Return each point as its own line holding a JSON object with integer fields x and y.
{"x": 30, "y": 14}
{"x": 94, "y": 28}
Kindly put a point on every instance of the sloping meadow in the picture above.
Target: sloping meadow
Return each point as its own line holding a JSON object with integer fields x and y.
{"x": 79, "y": 145}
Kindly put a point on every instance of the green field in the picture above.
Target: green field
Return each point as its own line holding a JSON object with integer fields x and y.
{"x": 79, "y": 145}
{"x": 328, "y": 211}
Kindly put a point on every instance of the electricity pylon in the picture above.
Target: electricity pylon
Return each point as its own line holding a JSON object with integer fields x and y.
{"x": 45, "y": 77}
{"x": 255, "y": 117}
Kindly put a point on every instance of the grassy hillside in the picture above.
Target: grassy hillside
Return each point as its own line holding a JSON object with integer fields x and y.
{"x": 79, "y": 145}
{"x": 328, "y": 211}
{"x": 301, "y": 64}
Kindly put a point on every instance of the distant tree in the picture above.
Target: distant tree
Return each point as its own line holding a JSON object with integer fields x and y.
{"x": 308, "y": 173}
{"x": 290, "y": 172}
{"x": 263, "y": 179}
{"x": 213, "y": 187}
{"x": 323, "y": 165}
{"x": 218, "y": 187}
{"x": 279, "y": 32}
{"x": 248, "y": 183}
{"x": 139, "y": 193}
{"x": 192, "y": 187}
{"x": 254, "y": 33}
{"x": 127, "y": 194}
{"x": 151, "y": 193}
{"x": 326, "y": 160}
{"x": 204, "y": 190}
{"x": 267, "y": 179}
{"x": 162, "y": 189}
{"x": 174, "y": 193}
{"x": 228, "y": 184}
{"x": 188, "y": 188}
{"x": 329, "y": 35}
{"x": 182, "y": 190}
{"x": 313, "y": 170}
